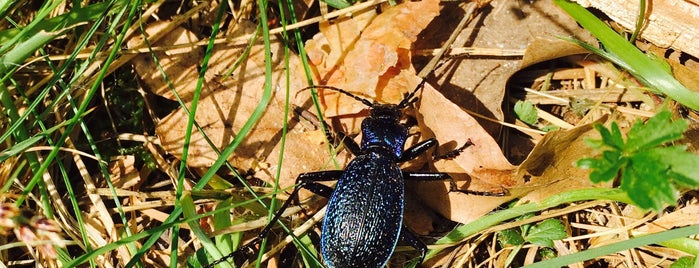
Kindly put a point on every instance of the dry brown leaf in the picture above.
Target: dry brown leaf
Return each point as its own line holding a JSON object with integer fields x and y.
{"x": 227, "y": 103}
{"x": 326, "y": 50}
{"x": 548, "y": 170}
{"x": 123, "y": 172}
{"x": 545, "y": 49}
{"x": 177, "y": 63}
{"x": 550, "y": 167}
{"x": 685, "y": 216}
{"x": 477, "y": 80}
{"x": 483, "y": 157}
{"x": 481, "y": 167}
{"x": 375, "y": 65}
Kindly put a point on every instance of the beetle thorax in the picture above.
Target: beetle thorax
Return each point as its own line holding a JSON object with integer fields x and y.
{"x": 382, "y": 131}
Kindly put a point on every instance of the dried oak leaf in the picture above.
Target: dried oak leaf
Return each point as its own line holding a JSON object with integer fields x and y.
{"x": 373, "y": 62}
{"x": 482, "y": 167}
{"x": 550, "y": 167}
{"x": 176, "y": 63}
{"x": 226, "y": 104}
{"x": 370, "y": 56}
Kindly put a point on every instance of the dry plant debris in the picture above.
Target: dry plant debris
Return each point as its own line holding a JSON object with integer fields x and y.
{"x": 371, "y": 54}
{"x": 368, "y": 45}
{"x": 667, "y": 24}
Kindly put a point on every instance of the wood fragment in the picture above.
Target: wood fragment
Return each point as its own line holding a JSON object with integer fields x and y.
{"x": 670, "y": 23}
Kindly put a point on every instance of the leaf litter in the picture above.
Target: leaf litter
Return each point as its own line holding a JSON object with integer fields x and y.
{"x": 226, "y": 104}
{"x": 482, "y": 81}
{"x": 377, "y": 49}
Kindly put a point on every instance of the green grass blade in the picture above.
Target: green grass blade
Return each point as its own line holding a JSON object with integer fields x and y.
{"x": 464, "y": 231}
{"x": 20, "y": 147}
{"x": 189, "y": 211}
{"x": 154, "y": 232}
{"x": 650, "y": 70}
{"x": 619, "y": 246}
{"x": 41, "y": 32}
{"x": 230, "y": 148}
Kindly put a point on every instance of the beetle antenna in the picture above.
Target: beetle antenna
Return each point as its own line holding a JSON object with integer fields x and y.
{"x": 410, "y": 99}
{"x": 362, "y": 100}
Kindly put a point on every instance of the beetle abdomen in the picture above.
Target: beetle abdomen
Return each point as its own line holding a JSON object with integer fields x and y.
{"x": 364, "y": 214}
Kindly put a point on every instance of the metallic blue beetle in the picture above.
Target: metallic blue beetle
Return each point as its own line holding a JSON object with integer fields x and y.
{"x": 364, "y": 217}
{"x": 365, "y": 212}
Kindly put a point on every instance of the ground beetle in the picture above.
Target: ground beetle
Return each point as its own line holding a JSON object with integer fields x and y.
{"x": 364, "y": 217}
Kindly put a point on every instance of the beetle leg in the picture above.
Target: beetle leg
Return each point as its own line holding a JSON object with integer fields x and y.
{"x": 440, "y": 176}
{"x": 340, "y": 136}
{"x": 425, "y": 176}
{"x": 423, "y": 146}
{"x": 414, "y": 242}
{"x": 454, "y": 188}
{"x": 308, "y": 181}
{"x": 417, "y": 150}
{"x": 351, "y": 145}
{"x": 328, "y": 175}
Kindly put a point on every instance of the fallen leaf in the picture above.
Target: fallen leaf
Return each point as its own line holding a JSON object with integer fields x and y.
{"x": 327, "y": 50}
{"x": 550, "y": 167}
{"x": 377, "y": 64}
{"x": 176, "y": 63}
{"x": 682, "y": 217}
{"x": 226, "y": 104}
{"x": 123, "y": 173}
{"x": 545, "y": 49}
{"x": 482, "y": 167}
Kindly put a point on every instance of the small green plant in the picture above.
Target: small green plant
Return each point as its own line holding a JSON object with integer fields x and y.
{"x": 542, "y": 234}
{"x": 545, "y": 232}
{"x": 526, "y": 112}
{"x": 650, "y": 173}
